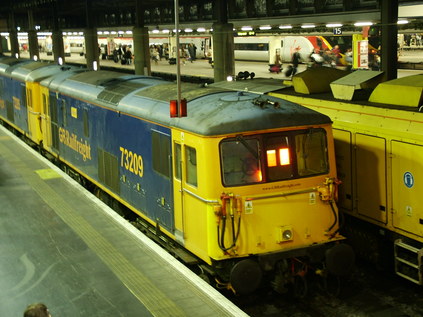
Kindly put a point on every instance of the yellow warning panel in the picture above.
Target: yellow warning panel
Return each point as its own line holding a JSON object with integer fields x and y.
{"x": 47, "y": 173}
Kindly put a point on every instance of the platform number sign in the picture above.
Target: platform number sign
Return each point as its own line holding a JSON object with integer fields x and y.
{"x": 337, "y": 31}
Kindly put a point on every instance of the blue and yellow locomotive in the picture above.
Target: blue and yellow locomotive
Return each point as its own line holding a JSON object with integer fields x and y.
{"x": 245, "y": 182}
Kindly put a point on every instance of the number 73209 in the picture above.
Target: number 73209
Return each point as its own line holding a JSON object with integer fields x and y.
{"x": 131, "y": 161}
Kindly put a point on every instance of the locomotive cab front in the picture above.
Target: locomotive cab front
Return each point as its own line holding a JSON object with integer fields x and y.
{"x": 268, "y": 197}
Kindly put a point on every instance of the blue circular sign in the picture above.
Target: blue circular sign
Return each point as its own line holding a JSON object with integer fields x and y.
{"x": 408, "y": 179}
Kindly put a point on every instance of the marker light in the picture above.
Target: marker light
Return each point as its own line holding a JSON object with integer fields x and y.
{"x": 60, "y": 61}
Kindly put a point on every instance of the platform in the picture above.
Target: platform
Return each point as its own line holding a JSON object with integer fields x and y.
{"x": 202, "y": 68}
{"x": 61, "y": 246}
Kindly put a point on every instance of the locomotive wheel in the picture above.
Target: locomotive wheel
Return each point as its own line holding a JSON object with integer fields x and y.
{"x": 300, "y": 286}
{"x": 245, "y": 276}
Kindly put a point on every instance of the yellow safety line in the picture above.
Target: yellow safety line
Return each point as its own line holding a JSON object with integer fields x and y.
{"x": 137, "y": 283}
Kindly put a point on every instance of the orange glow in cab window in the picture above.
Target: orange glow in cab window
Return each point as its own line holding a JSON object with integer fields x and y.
{"x": 271, "y": 158}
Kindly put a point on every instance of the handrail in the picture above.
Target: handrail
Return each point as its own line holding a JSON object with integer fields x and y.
{"x": 208, "y": 201}
{"x": 304, "y": 191}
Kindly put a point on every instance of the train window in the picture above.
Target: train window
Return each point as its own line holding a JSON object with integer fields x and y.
{"x": 251, "y": 46}
{"x": 53, "y": 109}
{"x": 178, "y": 161}
{"x": 274, "y": 157}
{"x": 86, "y": 123}
{"x": 311, "y": 152}
{"x": 29, "y": 97}
{"x": 44, "y": 104}
{"x": 240, "y": 161}
{"x": 161, "y": 153}
{"x": 191, "y": 165}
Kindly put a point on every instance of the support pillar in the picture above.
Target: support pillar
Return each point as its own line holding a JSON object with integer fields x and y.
{"x": 13, "y": 36}
{"x": 223, "y": 51}
{"x": 389, "y": 48}
{"x": 34, "y": 51}
{"x": 1, "y": 45}
{"x": 57, "y": 38}
{"x": 142, "y": 60}
{"x": 58, "y": 46}
{"x": 91, "y": 48}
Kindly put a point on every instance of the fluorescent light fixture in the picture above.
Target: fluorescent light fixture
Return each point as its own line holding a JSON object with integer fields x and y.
{"x": 106, "y": 32}
{"x": 308, "y": 26}
{"x": 99, "y": 32}
{"x": 282, "y": 27}
{"x": 4, "y": 34}
{"x": 333, "y": 25}
{"x": 188, "y": 30}
{"x": 74, "y": 33}
{"x": 201, "y": 30}
{"x": 265, "y": 27}
{"x": 363, "y": 24}
{"x": 120, "y": 32}
{"x": 113, "y": 32}
{"x": 80, "y": 33}
{"x": 247, "y": 28}
{"x": 128, "y": 32}
{"x": 402, "y": 21}
{"x": 155, "y": 31}
{"x": 165, "y": 31}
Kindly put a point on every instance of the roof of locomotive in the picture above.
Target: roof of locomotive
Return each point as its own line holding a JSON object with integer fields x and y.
{"x": 211, "y": 110}
{"x": 37, "y": 71}
{"x": 216, "y": 111}
{"x": 8, "y": 64}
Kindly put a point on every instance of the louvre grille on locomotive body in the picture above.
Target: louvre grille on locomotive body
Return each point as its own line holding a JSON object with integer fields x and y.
{"x": 244, "y": 182}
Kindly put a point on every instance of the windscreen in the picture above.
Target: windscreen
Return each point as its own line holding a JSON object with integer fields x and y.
{"x": 273, "y": 157}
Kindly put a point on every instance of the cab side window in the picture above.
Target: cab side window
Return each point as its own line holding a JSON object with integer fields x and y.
{"x": 161, "y": 153}
{"x": 191, "y": 165}
{"x": 178, "y": 161}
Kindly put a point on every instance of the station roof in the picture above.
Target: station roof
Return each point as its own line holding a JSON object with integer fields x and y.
{"x": 71, "y": 15}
